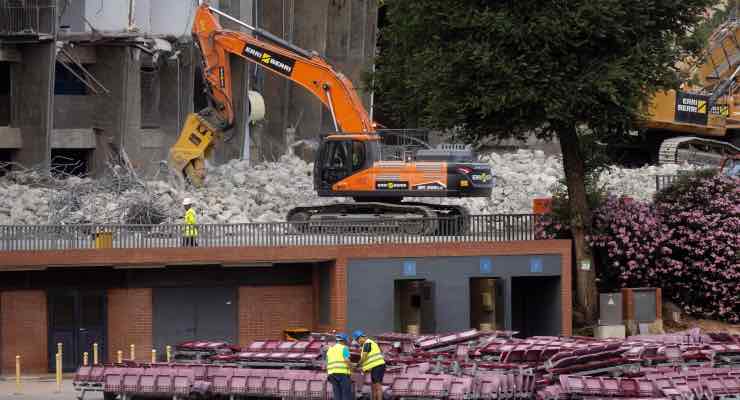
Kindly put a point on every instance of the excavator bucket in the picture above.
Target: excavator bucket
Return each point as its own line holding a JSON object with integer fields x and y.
{"x": 189, "y": 153}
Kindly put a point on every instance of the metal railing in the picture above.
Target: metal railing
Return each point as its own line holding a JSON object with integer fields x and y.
{"x": 663, "y": 181}
{"x": 476, "y": 228}
{"x": 27, "y": 17}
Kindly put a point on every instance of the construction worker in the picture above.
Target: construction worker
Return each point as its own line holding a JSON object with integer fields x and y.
{"x": 338, "y": 368}
{"x": 190, "y": 233}
{"x": 371, "y": 360}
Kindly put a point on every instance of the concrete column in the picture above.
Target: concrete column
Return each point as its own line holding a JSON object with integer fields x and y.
{"x": 32, "y": 95}
{"x": 118, "y": 115}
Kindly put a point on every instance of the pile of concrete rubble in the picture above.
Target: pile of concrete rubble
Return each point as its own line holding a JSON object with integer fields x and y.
{"x": 236, "y": 192}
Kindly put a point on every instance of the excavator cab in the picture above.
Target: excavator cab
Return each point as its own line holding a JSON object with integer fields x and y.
{"x": 342, "y": 155}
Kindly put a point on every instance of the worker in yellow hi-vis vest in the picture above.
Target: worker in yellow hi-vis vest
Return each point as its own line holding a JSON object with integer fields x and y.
{"x": 338, "y": 368}
{"x": 190, "y": 232}
{"x": 372, "y": 361}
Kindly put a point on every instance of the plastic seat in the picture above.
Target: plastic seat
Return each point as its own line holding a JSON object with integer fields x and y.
{"x": 400, "y": 386}
{"x": 238, "y": 384}
{"x": 460, "y": 388}
{"x": 299, "y": 388}
{"x": 592, "y": 385}
{"x": 113, "y": 382}
{"x": 199, "y": 371}
{"x": 83, "y": 374}
{"x": 131, "y": 380}
{"x": 183, "y": 382}
{"x": 255, "y": 384}
{"x": 270, "y": 386}
{"x": 97, "y": 373}
{"x": 284, "y": 387}
{"x": 163, "y": 382}
{"x": 418, "y": 387}
{"x": 147, "y": 382}
{"x": 316, "y": 388}
{"x": 257, "y": 345}
{"x": 534, "y": 354}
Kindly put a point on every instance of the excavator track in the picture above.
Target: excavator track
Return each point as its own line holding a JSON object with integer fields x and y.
{"x": 695, "y": 150}
{"x": 376, "y": 217}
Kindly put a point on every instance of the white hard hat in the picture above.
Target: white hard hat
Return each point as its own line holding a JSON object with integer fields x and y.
{"x": 187, "y": 201}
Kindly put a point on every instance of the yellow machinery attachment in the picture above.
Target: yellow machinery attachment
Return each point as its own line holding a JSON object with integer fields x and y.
{"x": 194, "y": 145}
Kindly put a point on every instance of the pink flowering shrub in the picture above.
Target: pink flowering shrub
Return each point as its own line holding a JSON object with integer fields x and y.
{"x": 699, "y": 264}
{"x": 687, "y": 242}
{"x": 627, "y": 236}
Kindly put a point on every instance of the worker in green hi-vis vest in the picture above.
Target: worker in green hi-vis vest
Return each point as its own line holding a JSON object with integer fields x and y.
{"x": 190, "y": 233}
{"x": 338, "y": 368}
{"x": 372, "y": 361}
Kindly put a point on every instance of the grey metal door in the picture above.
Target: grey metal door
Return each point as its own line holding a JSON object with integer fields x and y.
{"x": 182, "y": 314}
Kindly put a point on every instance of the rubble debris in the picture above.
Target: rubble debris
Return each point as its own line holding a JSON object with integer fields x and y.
{"x": 467, "y": 365}
{"x": 236, "y": 192}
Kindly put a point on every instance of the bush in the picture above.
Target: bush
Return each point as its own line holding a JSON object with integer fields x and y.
{"x": 627, "y": 236}
{"x": 699, "y": 265}
{"x": 687, "y": 242}
{"x": 556, "y": 225}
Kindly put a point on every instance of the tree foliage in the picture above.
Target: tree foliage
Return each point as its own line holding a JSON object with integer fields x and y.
{"x": 505, "y": 67}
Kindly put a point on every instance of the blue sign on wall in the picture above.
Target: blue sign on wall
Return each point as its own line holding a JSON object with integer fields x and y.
{"x": 535, "y": 264}
{"x": 486, "y": 265}
{"x": 409, "y": 268}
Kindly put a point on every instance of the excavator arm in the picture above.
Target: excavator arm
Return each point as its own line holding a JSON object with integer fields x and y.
{"x": 284, "y": 59}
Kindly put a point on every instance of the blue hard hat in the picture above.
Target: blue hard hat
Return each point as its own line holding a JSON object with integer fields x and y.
{"x": 342, "y": 336}
{"x": 357, "y": 334}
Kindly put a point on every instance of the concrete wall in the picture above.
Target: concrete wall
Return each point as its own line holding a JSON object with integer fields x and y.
{"x": 32, "y": 94}
{"x": 343, "y": 31}
{"x": 73, "y": 111}
{"x": 370, "y": 287}
{"x": 117, "y": 115}
{"x": 159, "y": 17}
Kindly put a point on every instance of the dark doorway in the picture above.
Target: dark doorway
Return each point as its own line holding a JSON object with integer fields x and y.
{"x": 487, "y": 303}
{"x": 5, "y": 93}
{"x": 77, "y": 319}
{"x": 415, "y": 306}
{"x": 194, "y": 313}
{"x": 6, "y": 157}
{"x": 535, "y": 305}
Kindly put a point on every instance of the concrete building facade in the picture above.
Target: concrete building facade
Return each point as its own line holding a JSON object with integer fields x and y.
{"x": 84, "y": 82}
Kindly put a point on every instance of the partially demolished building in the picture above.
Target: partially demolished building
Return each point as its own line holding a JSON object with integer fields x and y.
{"x": 85, "y": 80}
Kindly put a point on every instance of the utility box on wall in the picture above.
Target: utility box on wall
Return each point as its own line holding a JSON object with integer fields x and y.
{"x": 642, "y": 310}
{"x": 610, "y": 309}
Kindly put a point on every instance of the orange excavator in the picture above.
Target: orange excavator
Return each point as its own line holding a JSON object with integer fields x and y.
{"x": 348, "y": 162}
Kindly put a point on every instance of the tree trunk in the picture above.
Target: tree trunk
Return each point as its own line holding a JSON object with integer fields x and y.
{"x": 586, "y": 292}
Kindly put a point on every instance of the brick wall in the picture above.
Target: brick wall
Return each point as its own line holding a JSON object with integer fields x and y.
{"x": 23, "y": 330}
{"x": 130, "y": 322}
{"x": 338, "y": 294}
{"x": 264, "y": 311}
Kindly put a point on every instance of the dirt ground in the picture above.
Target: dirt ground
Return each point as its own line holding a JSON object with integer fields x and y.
{"x": 706, "y": 325}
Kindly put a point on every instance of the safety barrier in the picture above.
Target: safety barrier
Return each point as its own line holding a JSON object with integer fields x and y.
{"x": 663, "y": 181}
{"x": 474, "y": 228}
{"x": 27, "y": 18}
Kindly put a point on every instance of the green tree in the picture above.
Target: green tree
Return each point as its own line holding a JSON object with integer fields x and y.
{"x": 483, "y": 68}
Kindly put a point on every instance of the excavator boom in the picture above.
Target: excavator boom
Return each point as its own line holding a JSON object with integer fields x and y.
{"x": 308, "y": 70}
